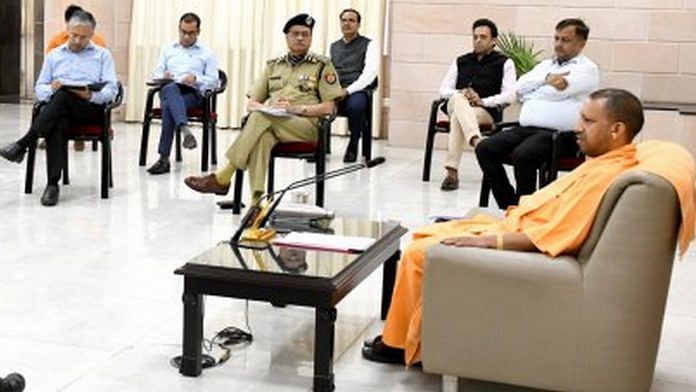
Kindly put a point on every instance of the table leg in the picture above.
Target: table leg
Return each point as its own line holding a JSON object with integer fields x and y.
{"x": 193, "y": 334}
{"x": 324, "y": 349}
{"x": 388, "y": 278}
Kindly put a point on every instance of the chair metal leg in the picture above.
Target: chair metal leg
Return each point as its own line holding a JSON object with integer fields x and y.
{"x": 271, "y": 175}
{"x": 204, "y": 147}
{"x": 484, "y": 193}
{"x": 178, "y": 145}
{"x": 213, "y": 143}
{"x": 29, "y": 176}
{"x": 66, "y": 171}
{"x": 94, "y": 145}
{"x": 320, "y": 169}
{"x": 105, "y": 167}
{"x": 238, "y": 184}
{"x": 144, "y": 139}
{"x": 427, "y": 161}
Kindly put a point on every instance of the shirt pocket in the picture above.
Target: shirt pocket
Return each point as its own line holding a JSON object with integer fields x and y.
{"x": 275, "y": 83}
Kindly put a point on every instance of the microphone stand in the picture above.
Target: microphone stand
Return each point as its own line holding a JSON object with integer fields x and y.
{"x": 252, "y": 233}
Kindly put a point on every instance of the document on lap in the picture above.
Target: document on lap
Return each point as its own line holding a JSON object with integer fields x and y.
{"x": 91, "y": 86}
{"x": 275, "y": 112}
{"x": 327, "y": 242}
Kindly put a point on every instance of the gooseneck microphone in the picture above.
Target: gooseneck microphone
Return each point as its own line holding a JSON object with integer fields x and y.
{"x": 258, "y": 216}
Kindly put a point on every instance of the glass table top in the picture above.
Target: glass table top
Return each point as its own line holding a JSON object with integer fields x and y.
{"x": 295, "y": 261}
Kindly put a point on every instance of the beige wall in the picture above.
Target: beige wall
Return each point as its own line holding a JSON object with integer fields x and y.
{"x": 646, "y": 46}
{"x": 113, "y": 23}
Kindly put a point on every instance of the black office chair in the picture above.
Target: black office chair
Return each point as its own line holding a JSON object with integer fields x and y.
{"x": 97, "y": 133}
{"x": 314, "y": 151}
{"x": 436, "y": 126}
{"x": 206, "y": 115}
{"x": 565, "y": 156}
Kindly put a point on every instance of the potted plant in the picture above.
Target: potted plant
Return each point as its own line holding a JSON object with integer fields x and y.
{"x": 520, "y": 51}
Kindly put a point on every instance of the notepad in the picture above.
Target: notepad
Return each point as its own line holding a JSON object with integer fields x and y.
{"x": 328, "y": 242}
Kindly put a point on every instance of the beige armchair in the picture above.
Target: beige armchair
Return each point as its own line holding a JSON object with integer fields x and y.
{"x": 585, "y": 323}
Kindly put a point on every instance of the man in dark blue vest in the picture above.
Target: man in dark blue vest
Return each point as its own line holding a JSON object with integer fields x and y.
{"x": 356, "y": 59}
{"x": 476, "y": 84}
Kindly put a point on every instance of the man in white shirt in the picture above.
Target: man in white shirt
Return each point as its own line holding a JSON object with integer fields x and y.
{"x": 356, "y": 59}
{"x": 193, "y": 69}
{"x": 551, "y": 95}
{"x": 476, "y": 84}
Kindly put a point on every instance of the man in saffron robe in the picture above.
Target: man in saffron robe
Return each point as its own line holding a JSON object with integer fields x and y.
{"x": 554, "y": 220}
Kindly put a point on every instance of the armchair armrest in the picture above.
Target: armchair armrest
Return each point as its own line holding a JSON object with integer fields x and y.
{"x": 476, "y": 301}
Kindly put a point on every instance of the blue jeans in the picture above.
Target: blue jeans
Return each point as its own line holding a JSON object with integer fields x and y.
{"x": 176, "y": 99}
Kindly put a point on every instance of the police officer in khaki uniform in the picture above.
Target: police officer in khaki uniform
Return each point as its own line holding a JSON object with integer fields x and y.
{"x": 286, "y": 102}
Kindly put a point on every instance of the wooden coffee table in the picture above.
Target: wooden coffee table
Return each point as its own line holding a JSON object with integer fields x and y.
{"x": 286, "y": 276}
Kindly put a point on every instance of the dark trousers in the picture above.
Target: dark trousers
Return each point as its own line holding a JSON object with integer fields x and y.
{"x": 354, "y": 106}
{"x": 53, "y": 122}
{"x": 527, "y": 148}
{"x": 176, "y": 99}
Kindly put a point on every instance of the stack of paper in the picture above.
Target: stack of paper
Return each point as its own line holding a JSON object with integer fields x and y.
{"x": 328, "y": 242}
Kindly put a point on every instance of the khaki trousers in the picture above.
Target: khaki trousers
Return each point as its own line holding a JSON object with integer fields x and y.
{"x": 252, "y": 148}
{"x": 464, "y": 125}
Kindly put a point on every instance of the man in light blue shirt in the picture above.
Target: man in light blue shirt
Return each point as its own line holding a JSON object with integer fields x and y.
{"x": 193, "y": 70}
{"x": 551, "y": 95}
{"x": 75, "y": 63}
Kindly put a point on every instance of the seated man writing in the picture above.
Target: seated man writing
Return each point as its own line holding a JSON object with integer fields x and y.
{"x": 554, "y": 220}
{"x": 286, "y": 102}
{"x": 65, "y": 73}
{"x": 193, "y": 68}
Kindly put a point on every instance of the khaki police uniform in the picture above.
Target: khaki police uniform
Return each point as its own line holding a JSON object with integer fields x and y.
{"x": 312, "y": 81}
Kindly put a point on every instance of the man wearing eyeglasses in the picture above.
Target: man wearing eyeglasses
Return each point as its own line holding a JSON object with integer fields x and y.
{"x": 193, "y": 69}
{"x": 286, "y": 103}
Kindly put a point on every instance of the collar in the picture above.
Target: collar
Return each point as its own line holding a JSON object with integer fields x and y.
{"x": 573, "y": 60}
{"x": 193, "y": 45}
{"x": 354, "y": 38}
{"x": 90, "y": 46}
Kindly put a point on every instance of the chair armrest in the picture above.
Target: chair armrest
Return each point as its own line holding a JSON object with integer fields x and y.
{"x": 500, "y": 315}
{"x": 117, "y": 100}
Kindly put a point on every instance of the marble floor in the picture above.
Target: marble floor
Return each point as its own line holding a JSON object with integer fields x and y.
{"x": 89, "y": 301}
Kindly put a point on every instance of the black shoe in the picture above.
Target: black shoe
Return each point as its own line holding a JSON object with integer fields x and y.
{"x": 349, "y": 157}
{"x": 50, "y": 195}
{"x": 449, "y": 183}
{"x": 12, "y": 152}
{"x": 380, "y": 352}
{"x": 160, "y": 167}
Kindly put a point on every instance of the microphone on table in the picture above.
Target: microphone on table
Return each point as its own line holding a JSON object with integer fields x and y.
{"x": 252, "y": 227}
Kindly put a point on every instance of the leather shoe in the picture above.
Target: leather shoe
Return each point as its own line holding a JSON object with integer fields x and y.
{"x": 380, "y": 352}
{"x": 50, "y": 195}
{"x": 450, "y": 183}
{"x": 12, "y": 152}
{"x": 160, "y": 167}
{"x": 349, "y": 157}
{"x": 206, "y": 184}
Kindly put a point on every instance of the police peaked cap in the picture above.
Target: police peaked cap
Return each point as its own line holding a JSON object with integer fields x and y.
{"x": 299, "y": 20}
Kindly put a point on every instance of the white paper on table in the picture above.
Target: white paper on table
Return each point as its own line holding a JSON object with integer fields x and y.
{"x": 330, "y": 242}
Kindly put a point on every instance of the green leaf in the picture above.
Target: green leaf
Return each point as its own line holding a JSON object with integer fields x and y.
{"x": 520, "y": 51}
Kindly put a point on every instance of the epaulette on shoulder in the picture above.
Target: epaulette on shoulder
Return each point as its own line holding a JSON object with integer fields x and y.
{"x": 318, "y": 58}
{"x": 277, "y": 60}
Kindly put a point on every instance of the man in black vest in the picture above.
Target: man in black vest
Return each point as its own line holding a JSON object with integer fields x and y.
{"x": 476, "y": 84}
{"x": 356, "y": 59}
